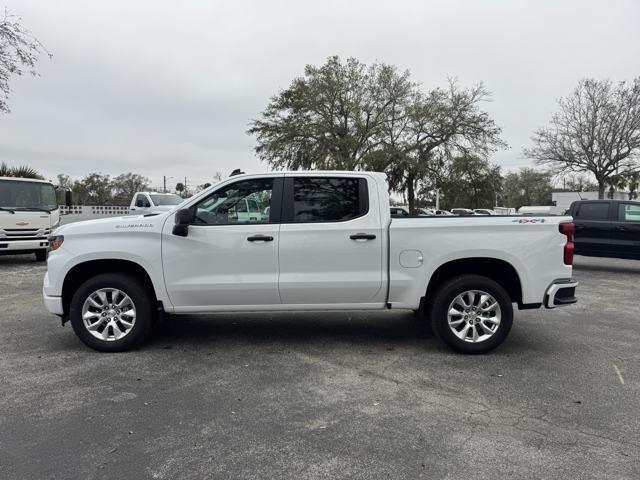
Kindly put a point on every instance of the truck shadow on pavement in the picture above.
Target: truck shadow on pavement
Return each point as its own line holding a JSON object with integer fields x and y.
{"x": 287, "y": 328}
{"x": 282, "y": 330}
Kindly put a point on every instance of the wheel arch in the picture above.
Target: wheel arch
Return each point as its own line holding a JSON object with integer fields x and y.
{"x": 83, "y": 271}
{"x": 500, "y": 271}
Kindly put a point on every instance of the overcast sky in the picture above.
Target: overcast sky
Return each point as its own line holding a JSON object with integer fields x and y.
{"x": 168, "y": 87}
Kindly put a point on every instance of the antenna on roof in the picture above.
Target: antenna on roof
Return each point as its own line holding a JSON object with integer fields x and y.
{"x": 237, "y": 171}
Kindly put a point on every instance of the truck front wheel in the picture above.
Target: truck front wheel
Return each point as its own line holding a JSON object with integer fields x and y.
{"x": 111, "y": 312}
{"x": 41, "y": 255}
{"x": 472, "y": 314}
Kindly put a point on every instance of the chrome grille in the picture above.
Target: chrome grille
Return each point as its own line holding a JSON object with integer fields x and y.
{"x": 24, "y": 233}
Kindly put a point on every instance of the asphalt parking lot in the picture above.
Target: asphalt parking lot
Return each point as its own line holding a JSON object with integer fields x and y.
{"x": 331, "y": 395}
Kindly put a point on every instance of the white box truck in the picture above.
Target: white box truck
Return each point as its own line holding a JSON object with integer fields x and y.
{"x": 29, "y": 211}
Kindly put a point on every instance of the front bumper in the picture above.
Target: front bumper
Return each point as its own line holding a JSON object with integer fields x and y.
{"x": 561, "y": 293}
{"x": 7, "y": 245}
{"x": 53, "y": 304}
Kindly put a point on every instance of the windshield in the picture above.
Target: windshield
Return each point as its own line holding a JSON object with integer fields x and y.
{"x": 159, "y": 200}
{"x": 21, "y": 195}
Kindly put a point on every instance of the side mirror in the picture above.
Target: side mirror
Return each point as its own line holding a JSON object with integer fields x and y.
{"x": 68, "y": 198}
{"x": 183, "y": 217}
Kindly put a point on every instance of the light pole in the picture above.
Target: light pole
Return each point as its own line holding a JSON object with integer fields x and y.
{"x": 164, "y": 182}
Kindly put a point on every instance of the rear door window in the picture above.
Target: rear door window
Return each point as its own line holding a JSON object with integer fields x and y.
{"x": 629, "y": 212}
{"x": 593, "y": 211}
{"x": 328, "y": 199}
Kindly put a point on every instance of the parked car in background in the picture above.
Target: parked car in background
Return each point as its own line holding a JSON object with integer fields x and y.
{"x": 505, "y": 211}
{"x": 154, "y": 202}
{"x": 462, "y": 211}
{"x": 536, "y": 210}
{"x": 443, "y": 212}
{"x": 29, "y": 211}
{"x": 425, "y": 212}
{"x": 483, "y": 211}
{"x": 329, "y": 243}
{"x": 607, "y": 228}
{"x": 399, "y": 212}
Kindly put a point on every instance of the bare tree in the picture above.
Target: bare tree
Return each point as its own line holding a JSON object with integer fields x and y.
{"x": 596, "y": 130}
{"x": 19, "y": 51}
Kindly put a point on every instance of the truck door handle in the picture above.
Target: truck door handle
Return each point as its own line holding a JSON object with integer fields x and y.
{"x": 260, "y": 238}
{"x": 362, "y": 236}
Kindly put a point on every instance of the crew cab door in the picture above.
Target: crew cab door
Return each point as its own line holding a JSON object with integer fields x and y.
{"x": 593, "y": 228}
{"x": 229, "y": 258}
{"x": 625, "y": 232}
{"x": 331, "y": 242}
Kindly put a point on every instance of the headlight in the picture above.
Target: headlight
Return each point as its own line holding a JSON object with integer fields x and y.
{"x": 55, "y": 241}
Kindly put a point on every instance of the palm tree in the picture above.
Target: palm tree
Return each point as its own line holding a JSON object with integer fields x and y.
{"x": 633, "y": 181}
{"x": 616, "y": 182}
{"x": 19, "y": 172}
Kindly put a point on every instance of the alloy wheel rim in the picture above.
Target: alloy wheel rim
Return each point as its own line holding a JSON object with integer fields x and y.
{"x": 109, "y": 314}
{"x": 474, "y": 316}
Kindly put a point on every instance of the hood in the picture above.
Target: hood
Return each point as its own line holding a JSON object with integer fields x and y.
{"x": 126, "y": 223}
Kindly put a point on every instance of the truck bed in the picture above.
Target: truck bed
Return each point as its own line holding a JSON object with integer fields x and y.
{"x": 420, "y": 245}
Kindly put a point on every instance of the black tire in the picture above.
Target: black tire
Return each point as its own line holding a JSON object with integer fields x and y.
{"x": 41, "y": 255}
{"x": 138, "y": 295}
{"x": 445, "y": 296}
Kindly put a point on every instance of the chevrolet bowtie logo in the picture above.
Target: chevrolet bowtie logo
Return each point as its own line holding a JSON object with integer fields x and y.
{"x": 22, "y": 223}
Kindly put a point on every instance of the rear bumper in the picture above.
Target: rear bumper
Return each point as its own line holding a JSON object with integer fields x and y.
{"x": 561, "y": 293}
{"x": 53, "y": 304}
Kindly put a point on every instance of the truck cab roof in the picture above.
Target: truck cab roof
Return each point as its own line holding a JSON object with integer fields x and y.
{"x": 20, "y": 179}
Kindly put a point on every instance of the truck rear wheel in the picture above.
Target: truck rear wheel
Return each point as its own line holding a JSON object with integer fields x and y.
{"x": 472, "y": 314}
{"x": 111, "y": 312}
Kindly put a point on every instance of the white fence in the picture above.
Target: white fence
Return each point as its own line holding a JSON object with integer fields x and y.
{"x": 77, "y": 213}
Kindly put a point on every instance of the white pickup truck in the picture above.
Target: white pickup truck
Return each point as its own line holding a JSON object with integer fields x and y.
{"x": 153, "y": 202}
{"x": 327, "y": 242}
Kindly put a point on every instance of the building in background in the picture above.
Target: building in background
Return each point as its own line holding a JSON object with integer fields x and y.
{"x": 563, "y": 200}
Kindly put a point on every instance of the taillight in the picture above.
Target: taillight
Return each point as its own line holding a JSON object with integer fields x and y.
{"x": 568, "y": 229}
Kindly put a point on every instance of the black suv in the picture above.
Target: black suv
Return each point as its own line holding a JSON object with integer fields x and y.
{"x": 607, "y": 228}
